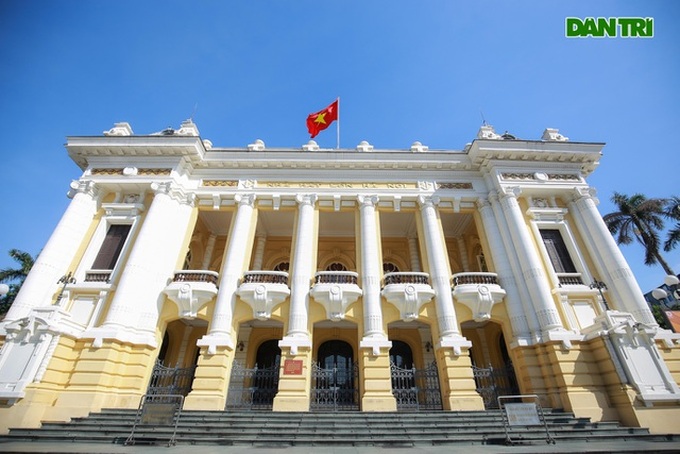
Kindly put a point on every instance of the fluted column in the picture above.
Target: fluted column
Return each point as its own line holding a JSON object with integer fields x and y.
{"x": 234, "y": 263}
{"x": 260, "y": 242}
{"x": 518, "y": 320}
{"x": 413, "y": 254}
{"x": 209, "y": 249}
{"x": 462, "y": 250}
{"x": 374, "y": 335}
{"x": 530, "y": 263}
{"x": 515, "y": 270}
{"x": 302, "y": 270}
{"x": 440, "y": 276}
{"x": 58, "y": 253}
{"x": 612, "y": 266}
{"x": 134, "y": 310}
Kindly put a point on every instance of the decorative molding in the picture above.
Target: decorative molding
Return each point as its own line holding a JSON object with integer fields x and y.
{"x": 563, "y": 177}
{"x": 518, "y": 176}
{"x": 220, "y": 183}
{"x": 454, "y": 186}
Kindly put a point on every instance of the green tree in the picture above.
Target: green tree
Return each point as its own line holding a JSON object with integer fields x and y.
{"x": 15, "y": 277}
{"x": 640, "y": 218}
{"x": 673, "y": 212}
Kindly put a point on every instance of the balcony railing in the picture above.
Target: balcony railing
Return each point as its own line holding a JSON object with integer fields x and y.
{"x": 196, "y": 276}
{"x": 98, "y": 276}
{"x": 336, "y": 277}
{"x": 475, "y": 278}
{"x": 406, "y": 278}
{"x": 569, "y": 279}
{"x": 265, "y": 277}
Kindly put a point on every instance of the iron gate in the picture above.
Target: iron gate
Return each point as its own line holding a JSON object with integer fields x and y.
{"x": 494, "y": 382}
{"x": 170, "y": 380}
{"x": 416, "y": 389}
{"x": 335, "y": 389}
{"x": 252, "y": 389}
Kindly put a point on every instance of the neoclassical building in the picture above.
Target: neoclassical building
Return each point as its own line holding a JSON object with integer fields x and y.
{"x": 309, "y": 279}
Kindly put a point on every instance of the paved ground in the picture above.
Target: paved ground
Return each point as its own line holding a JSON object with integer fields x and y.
{"x": 559, "y": 447}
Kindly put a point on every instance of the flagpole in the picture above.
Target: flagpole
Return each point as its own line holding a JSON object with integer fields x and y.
{"x": 337, "y": 129}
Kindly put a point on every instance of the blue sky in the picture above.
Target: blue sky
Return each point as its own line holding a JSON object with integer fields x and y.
{"x": 404, "y": 70}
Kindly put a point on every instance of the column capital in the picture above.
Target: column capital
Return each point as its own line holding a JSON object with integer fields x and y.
{"x": 585, "y": 193}
{"x": 306, "y": 199}
{"x": 87, "y": 187}
{"x": 245, "y": 199}
{"x": 174, "y": 191}
{"x": 425, "y": 201}
{"x": 483, "y": 203}
{"x": 367, "y": 200}
{"x": 510, "y": 192}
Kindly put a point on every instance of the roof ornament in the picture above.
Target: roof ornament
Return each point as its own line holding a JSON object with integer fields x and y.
{"x": 364, "y": 146}
{"x": 188, "y": 128}
{"x": 258, "y": 145}
{"x": 119, "y": 129}
{"x": 486, "y": 131}
{"x": 418, "y": 147}
{"x": 554, "y": 135}
{"x": 310, "y": 146}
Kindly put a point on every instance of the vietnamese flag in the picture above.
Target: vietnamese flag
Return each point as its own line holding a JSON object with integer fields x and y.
{"x": 319, "y": 121}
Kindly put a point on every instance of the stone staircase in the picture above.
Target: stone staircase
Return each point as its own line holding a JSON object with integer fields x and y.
{"x": 267, "y": 429}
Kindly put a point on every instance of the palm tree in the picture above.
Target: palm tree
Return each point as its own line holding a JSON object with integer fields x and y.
{"x": 640, "y": 218}
{"x": 673, "y": 212}
{"x": 15, "y": 277}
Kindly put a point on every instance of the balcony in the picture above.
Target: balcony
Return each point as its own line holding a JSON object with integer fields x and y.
{"x": 336, "y": 290}
{"x": 98, "y": 276}
{"x": 479, "y": 292}
{"x": 408, "y": 292}
{"x": 263, "y": 291}
{"x": 569, "y": 279}
{"x": 191, "y": 289}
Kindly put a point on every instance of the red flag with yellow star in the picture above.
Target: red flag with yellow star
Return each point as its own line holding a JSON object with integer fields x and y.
{"x": 319, "y": 121}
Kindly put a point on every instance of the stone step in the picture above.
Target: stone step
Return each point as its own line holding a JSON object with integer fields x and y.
{"x": 325, "y": 429}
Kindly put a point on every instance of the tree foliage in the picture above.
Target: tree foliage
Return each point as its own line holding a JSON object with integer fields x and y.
{"x": 641, "y": 219}
{"x": 15, "y": 277}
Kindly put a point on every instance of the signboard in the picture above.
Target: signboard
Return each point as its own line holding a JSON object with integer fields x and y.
{"x": 292, "y": 367}
{"x": 159, "y": 414}
{"x": 522, "y": 414}
{"x": 674, "y": 319}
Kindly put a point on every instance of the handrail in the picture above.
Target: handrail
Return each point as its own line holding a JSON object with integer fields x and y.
{"x": 265, "y": 277}
{"x": 208, "y": 276}
{"x": 406, "y": 278}
{"x": 336, "y": 277}
{"x": 475, "y": 278}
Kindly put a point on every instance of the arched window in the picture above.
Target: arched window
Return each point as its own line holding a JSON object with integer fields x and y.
{"x": 389, "y": 267}
{"x": 283, "y": 266}
{"x": 268, "y": 354}
{"x": 336, "y": 266}
{"x": 401, "y": 355}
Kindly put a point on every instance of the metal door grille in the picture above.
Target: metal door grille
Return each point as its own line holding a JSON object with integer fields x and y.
{"x": 170, "y": 380}
{"x": 495, "y": 382}
{"x": 416, "y": 389}
{"x": 335, "y": 389}
{"x": 252, "y": 389}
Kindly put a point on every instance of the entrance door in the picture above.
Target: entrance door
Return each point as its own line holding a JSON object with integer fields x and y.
{"x": 335, "y": 378}
{"x": 414, "y": 389}
{"x": 255, "y": 388}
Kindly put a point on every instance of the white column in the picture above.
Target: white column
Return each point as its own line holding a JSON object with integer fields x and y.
{"x": 515, "y": 268}
{"x": 374, "y": 335}
{"x": 612, "y": 265}
{"x": 449, "y": 334}
{"x": 462, "y": 250}
{"x": 59, "y": 252}
{"x": 209, "y": 249}
{"x": 301, "y": 275}
{"x": 261, "y": 240}
{"x": 530, "y": 264}
{"x": 413, "y": 254}
{"x": 233, "y": 265}
{"x": 513, "y": 302}
{"x": 137, "y": 302}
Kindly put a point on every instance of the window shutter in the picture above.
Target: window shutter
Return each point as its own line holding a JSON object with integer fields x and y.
{"x": 111, "y": 247}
